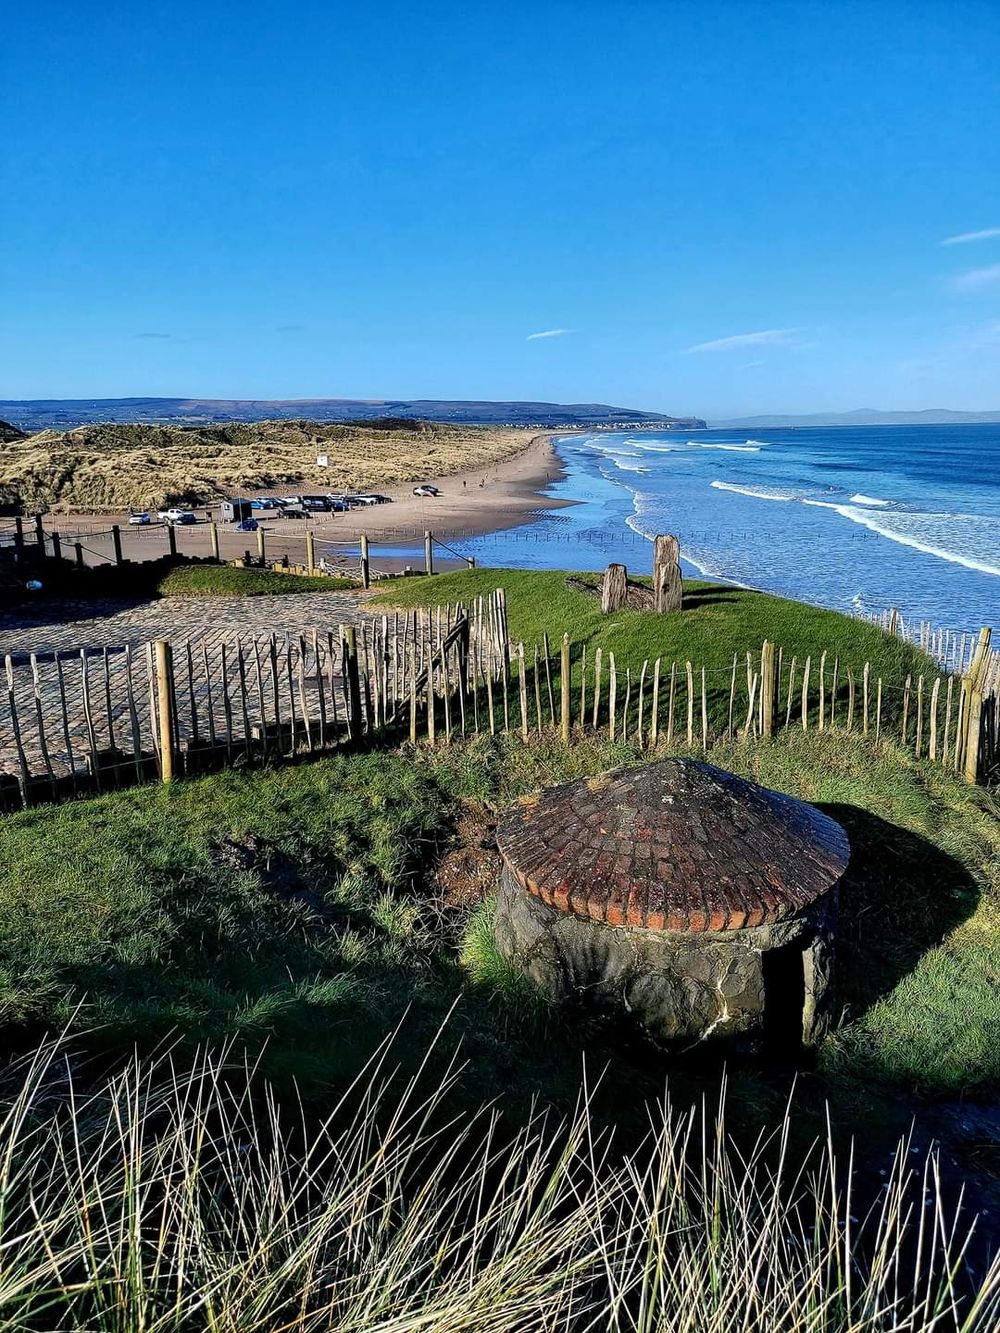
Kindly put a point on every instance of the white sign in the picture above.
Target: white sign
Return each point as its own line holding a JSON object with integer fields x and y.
{"x": 322, "y": 460}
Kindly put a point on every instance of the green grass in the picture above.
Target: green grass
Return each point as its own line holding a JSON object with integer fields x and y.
{"x": 123, "y": 905}
{"x": 716, "y": 622}
{"x": 208, "y": 580}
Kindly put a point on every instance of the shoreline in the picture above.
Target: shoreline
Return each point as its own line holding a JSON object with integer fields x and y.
{"x": 474, "y": 501}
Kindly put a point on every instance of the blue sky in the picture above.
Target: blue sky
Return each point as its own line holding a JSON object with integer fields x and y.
{"x": 709, "y": 207}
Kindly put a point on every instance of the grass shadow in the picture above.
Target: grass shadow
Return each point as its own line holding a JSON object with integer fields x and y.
{"x": 900, "y": 897}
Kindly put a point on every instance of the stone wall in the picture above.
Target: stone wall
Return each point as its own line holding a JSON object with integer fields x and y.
{"x": 681, "y": 987}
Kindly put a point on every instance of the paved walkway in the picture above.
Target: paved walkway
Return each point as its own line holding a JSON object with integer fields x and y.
{"x": 78, "y": 683}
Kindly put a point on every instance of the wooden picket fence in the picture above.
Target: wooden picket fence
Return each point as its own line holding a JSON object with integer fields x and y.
{"x": 97, "y": 720}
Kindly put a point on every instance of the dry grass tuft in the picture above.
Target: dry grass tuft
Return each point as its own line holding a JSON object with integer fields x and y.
{"x": 112, "y": 467}
{"x": 177, "y": 1197}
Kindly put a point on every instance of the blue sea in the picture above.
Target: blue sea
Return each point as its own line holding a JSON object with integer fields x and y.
{"x": 858, "y": 519}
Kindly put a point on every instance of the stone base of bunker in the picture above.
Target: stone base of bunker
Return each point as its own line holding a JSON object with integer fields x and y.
{"x": 773, "y": 982}
{"x": 699, "y": 904}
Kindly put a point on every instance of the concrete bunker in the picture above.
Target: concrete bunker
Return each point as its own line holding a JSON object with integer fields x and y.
{"x": 699, "y": 903}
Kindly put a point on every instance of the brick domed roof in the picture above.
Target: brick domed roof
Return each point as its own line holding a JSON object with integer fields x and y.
{"x": 678, "y": 846}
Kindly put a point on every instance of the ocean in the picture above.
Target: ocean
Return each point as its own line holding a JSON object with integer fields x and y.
{"x": 853, "y": 518}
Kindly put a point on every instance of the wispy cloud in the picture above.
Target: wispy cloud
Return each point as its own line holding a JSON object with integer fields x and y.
{"x": 751, "y": 365}
{"x": 989, "y": 234}
{"x": 762, "y": 338}
{"x": 547, "y": 333}
{"x": 154, "y": 335}
{"x": 975, "y": 278}
{"x": 290, "y": 328}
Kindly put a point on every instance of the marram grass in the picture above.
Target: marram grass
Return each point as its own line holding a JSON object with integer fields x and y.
{"x": 185, "y": 1196}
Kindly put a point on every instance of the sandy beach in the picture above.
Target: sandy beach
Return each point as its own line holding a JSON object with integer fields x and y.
{"x": 486, "y": 498}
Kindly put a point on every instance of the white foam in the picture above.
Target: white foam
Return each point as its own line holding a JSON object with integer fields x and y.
{"x": 733, "y": 448}
{"x": 761, "y": 444}
{"x": 755, "y": 492}
{"x": 892, "y": 527}
{"x": 868, "y": 500}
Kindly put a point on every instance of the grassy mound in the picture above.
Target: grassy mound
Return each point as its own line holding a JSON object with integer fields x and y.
{"x": 716, "y": 622}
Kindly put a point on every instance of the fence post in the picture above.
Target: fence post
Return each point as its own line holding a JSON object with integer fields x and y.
{"x": 39, "y": 533}
{"x": 18, "y": 534}
{"x": 428, "y": 553}
{"x": 78, "y": 550}
{"x": 767, "y": 679}
{"x": 350, "y": 649}
{"x": 366, "y": 572}
{"x": 564, "y": 681}
{"x": 165, "y": 707}
{"x": 213, "y": 533}
{"x": 972, "y": 690}
{"x": 171, "y": 538}
{"x": 56, "y": 546}
{"x": 261, "y": 559}
{"x": 116, "y": 542}
{"x": 310, "y": 552}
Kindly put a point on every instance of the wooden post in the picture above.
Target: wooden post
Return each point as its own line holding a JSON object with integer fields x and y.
{"x": 349, "y": 647}
{"x": 614, "y": 588}
{"x": 116, "y": 542}
{"x": 171, "y": 539}
{"x": 18, "y": 534}
{"x": 165, "y": 707}
{"x": 767, "y": 688}
{"x": 366, "y": 572}
{"x": 932, "y": 749}
{"x": 213, "y": 534}
{"x": 564, "y": 680}
{"x": 612, "y": 694}
{"x": 261, "y": 557}
{"x": 311, "y": 552}
{"x": 654, "y": 720}
{"x": 78, "y": 551}
{"x": 522, "y": 689}
{"x": 39, "y": 534}
{"x": 668, "y": 588}
{"x": 690, "y": 692}
{"x": 428, "y": 553}
{"x": 598, "y": 654}
{"x": 56, "y": 546}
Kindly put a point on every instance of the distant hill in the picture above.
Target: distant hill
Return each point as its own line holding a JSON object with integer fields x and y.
{"x": 863, "y": 416}
{"x": 44, "y": 413}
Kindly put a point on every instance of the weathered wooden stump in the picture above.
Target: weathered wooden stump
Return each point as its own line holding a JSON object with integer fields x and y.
{"x": 614, "y": 589}
{"x": 668, "y": 588}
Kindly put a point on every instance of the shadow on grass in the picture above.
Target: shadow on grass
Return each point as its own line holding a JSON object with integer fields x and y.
{"x": 901, "y": 896}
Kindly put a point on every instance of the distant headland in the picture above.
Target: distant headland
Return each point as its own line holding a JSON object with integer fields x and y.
{"x": 862, "y": 416}
{"x": 46, "y": 413}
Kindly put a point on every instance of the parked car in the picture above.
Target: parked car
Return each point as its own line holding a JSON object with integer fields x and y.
{"x": 176, "y": 516}
{"x": 337, "y": 504}
{"x": 364, "y": 499}
{"x": 426, "y": 490}
{"x": 265, "y": 502}
{"x": 139, "y": 517}
{"x": 315, "y": 502}
{"x": 247, "y": 525}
